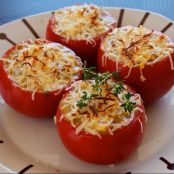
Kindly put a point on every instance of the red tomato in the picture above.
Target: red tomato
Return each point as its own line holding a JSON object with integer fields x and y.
{"x": 107, "y": 150}
{"x": 159, "y": 76}
{"x": 44, "y": 103}
{"x": 87, "y": 51}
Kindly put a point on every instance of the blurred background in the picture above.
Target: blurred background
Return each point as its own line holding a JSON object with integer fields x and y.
{"x": 14, "y": 9}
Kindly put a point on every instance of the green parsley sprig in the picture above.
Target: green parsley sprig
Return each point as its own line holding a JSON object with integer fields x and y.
{"x": 128, "y": 105}
{"x": 101, "y": 78}
{"x": 117, "y": 88}
{"x": 84, "y": 100}
{"x": 89, "y": 73}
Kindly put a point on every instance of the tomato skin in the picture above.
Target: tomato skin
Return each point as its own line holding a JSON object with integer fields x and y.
{"x": 44, "y": 103}
{"x": 85, "y": 50}
{"x": 159, "y": 76}
{"x": 107, "y": 150}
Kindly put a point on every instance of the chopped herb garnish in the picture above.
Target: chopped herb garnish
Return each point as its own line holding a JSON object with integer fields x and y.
{"x": 100, "y": 79}
{"x": 115, "y": 74}
{"x": 128, "y": 95}
{"x": 128, "y": 106}
{"x": 89, "y": 73}
{"x": 81, "y": 103}
{"x": 85, "y": 99}
{"x": 118, "y": 88}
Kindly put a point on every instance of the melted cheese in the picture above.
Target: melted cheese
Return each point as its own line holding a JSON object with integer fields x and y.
{"x": 82, "y": 22}
{"x": 137, "y": 46}
{"x": 102, "y": 114}
{"x": 41, "y": 66}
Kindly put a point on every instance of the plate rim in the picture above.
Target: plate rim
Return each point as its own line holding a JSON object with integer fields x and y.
{"x": 105, "y": 7}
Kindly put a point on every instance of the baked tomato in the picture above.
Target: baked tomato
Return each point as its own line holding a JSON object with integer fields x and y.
{"x": 101, "y": 123}
{"x": 34, "y": 75}
{"x": 144, "y": 58}
{"x": 81, "y": 28}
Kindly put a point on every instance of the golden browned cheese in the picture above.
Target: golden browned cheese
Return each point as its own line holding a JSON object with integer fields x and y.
{"x": 103, "y": 113}
{"x": 38, "y": 66}
{"x": 82, "y": 22}
{"x": 137, "y": 46}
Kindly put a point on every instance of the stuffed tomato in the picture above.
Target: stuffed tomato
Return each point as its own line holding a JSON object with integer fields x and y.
{"x": 144, "y": 58}
{"x": 81, "y": 28}
{"x": 101, "y": 123}
{"x": 34, "y": 75}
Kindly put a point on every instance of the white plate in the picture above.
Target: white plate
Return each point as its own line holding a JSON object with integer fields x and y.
{"x": 34, "y": 143}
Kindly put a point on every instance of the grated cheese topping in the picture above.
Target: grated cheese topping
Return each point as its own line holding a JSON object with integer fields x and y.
{"x": 103, "y": 113}
{"x": 37, "y": 65}
{"x": 136, "y": 46}
{"x": 82, "y": 22}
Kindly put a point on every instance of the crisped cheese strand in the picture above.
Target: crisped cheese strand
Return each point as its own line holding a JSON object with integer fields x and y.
{"x": 90, "y": 123}
{"x": 171, "y": 62}
{"x": 141, "y": 125}
{"x": 38, "y": 66}
{"x": 82, "y": 22}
